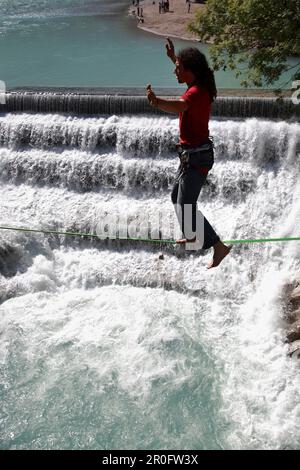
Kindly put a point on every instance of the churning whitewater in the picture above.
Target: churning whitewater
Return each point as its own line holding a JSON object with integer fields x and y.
{"x": 106, "y": 346}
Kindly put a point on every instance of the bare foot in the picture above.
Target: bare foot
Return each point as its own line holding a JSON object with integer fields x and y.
{"x": 182, "y": 241}
{"x": 220, "y": 251}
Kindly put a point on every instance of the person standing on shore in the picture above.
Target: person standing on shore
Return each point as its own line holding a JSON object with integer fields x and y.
{"x": 195, "y": 148}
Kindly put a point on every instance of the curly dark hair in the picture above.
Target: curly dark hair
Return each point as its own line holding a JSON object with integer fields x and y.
{"x": 195, "y": 61}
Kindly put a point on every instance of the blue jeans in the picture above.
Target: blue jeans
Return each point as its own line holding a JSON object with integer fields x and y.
{"x": 186, "y": 190}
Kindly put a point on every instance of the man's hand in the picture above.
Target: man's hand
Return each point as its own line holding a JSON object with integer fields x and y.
{"x": 171, "y": 106}
{"x": 171, "y": 50}
{"x": 151, "y": 96}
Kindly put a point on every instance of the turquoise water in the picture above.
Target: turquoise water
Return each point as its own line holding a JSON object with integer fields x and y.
{"x": 83, "y": 43}
{"x": 105, "y": 346}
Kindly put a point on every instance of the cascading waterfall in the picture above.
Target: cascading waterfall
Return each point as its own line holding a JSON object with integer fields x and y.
{"x": 66, "y": 101}
{"x": 104, "y": 345}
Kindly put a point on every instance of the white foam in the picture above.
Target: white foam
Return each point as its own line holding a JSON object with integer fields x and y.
{"x": 205, "y": 366}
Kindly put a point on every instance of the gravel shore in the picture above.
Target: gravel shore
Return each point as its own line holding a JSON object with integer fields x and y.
{"x": 172, "y": 23}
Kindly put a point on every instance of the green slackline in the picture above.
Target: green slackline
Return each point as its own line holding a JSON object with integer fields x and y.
{"x": 78, "y": 234}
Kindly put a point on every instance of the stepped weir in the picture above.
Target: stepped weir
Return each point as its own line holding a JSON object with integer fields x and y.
{"x": 86, "y": 101}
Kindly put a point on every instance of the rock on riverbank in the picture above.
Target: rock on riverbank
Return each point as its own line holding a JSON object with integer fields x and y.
{"x": 293, "y": 319}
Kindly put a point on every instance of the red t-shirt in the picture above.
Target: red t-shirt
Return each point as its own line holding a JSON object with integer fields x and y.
{"x": 193, "y": 123}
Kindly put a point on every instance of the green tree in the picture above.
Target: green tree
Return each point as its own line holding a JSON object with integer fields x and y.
{"x": 262, "y": 33}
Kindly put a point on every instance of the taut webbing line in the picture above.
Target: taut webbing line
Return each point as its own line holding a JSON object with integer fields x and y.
{"x": 93, "y": 235}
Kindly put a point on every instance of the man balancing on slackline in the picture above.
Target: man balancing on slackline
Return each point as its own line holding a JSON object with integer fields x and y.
{"x": 195, "y": 149}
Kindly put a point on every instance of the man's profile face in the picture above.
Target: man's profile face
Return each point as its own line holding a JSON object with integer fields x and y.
{"x": 179, "y": 71}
